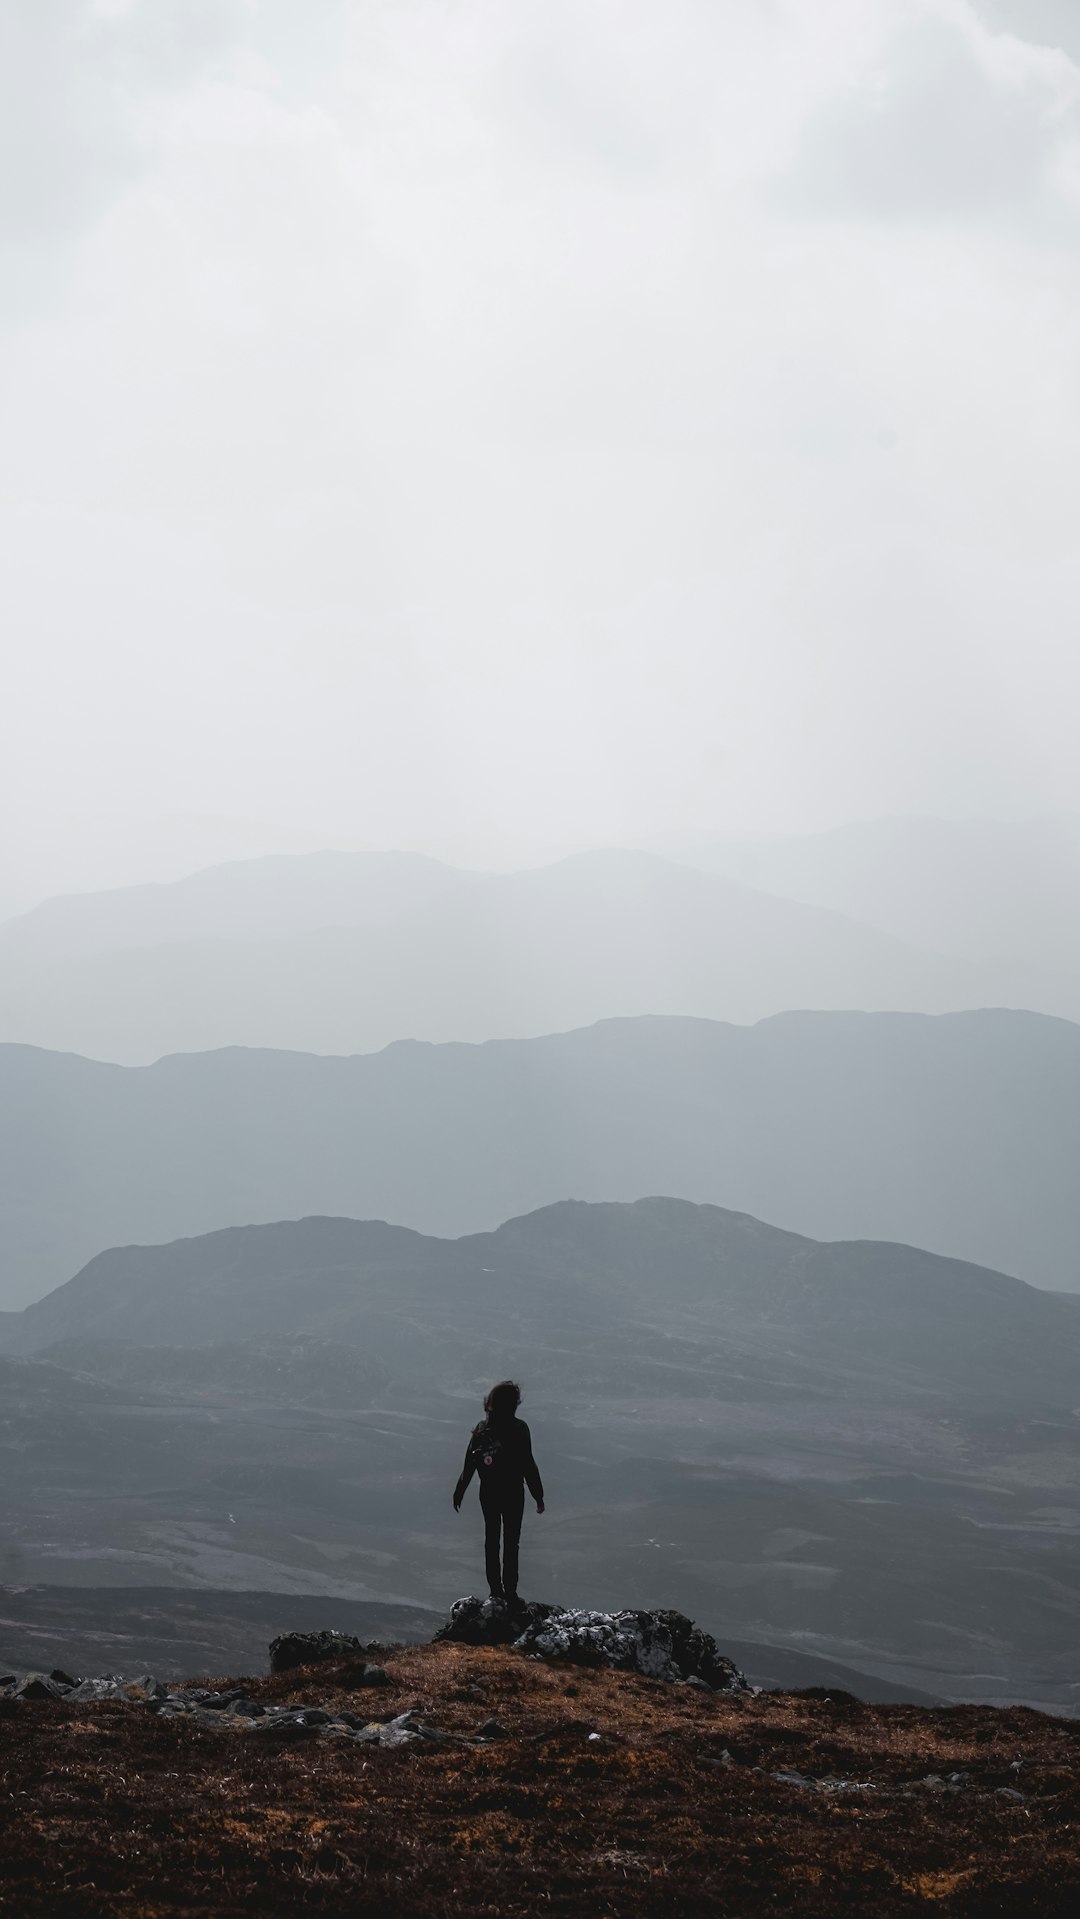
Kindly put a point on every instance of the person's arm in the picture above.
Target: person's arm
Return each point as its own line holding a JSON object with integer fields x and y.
{"x": 532, "y": 1475}
{"x": 466, "y": 1474}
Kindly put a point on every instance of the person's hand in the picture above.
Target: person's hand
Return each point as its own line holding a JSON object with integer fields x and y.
{"x": 539, "y": 1505}
{"x": 457, "y": 1502}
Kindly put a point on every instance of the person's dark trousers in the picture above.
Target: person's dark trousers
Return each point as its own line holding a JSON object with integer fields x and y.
{"x": 503, "y": 1512}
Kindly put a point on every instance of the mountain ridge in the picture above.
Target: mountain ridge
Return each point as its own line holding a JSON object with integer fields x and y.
{"x": 616, "y": 934}
{"x": 959, "y": 1132}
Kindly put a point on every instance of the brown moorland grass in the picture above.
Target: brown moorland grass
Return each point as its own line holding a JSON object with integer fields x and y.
{"x": 107, "y": 1810}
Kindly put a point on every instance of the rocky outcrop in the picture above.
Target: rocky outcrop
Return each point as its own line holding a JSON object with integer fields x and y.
{"x": 660, "y": 1644}
{"x": 292, "y": 1649}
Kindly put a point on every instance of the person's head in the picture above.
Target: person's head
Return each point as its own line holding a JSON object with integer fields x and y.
{"x": 503, "y": 1400}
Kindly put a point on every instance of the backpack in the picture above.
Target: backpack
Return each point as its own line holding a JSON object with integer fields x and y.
{"x": 490, "y": 1457}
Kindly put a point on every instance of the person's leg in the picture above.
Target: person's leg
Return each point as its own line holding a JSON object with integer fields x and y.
{"x": 492, "y": 1526}
{"x": 513, "y": 1509}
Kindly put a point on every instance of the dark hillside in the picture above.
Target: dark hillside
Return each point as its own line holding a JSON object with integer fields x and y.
{"x": 860, "y": 1313}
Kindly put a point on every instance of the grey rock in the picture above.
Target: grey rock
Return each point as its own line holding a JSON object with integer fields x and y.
{"x": 487, "y": 1622}
{"x": 287, "y": 1729}
{"x": 400, "y": 1732}
{"x": 293, "y": 1649}
{"x": 38, "y": 1685}
{"x": 63, "y": 1679}
{"x": 374, "y": 1676}
{"x": 107, "y": 1686}
{"x": 662, "y": 1645}
{"x": 1009, "y": 1792}
{"x": 491, "y": 1729}
{"x": 144, "y": 1686}
{"x": 216, "y": 1701}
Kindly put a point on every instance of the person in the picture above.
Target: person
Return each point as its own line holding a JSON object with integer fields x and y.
{"x": 500, "y": 1451}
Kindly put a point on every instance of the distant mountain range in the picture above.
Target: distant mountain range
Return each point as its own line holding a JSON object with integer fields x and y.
{"x": 959, "y": 1133}
{"x": 343, "y": 953}
{"x": 858, "y": 1451}
{"x": 984, "y": 890}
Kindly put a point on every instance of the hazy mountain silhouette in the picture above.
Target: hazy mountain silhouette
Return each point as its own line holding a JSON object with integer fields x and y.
{"x": 272, "y": 897}
{"x": 876, "y": 1316}
{"x": 597, "y": 936}
{"x": 961, "y": 1133}
{"x": 858, "y": 1450}
{"x": 979, "y": 889}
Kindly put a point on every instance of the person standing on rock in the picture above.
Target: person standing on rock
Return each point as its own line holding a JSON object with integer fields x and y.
{"x": 500, "y": 1451}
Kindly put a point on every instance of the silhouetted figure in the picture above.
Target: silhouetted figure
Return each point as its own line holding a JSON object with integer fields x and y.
{"x": 500, "y": 1451}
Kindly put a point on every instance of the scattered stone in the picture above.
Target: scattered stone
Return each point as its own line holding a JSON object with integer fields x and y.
{"x": 1009, "y": 1792}
{"x": 402, "y": 1731}
{"x": 292, "y": 1649}
{"x": 63, "y": 1679}
{"x": 216, "y": 1701}
{"x": 145, "y": 1686}
{"x": 292, "y": 1727}
{"x": 108, "y": 1686}
{"x": 491, "y": 1729}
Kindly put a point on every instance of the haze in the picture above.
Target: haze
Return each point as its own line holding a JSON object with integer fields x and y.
{"x": 501, "y": 430}
{"x": 541, "y": 824}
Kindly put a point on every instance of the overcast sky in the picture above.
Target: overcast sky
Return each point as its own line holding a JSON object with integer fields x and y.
{"x": 463, "y": 421}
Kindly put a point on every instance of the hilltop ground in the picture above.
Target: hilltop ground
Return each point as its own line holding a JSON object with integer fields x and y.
{"x": 677, "y": 1806}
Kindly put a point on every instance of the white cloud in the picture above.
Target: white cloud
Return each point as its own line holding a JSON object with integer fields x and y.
{"x": 932, "y": 132}
{"x": 1049, "y": 23}
{"x": 440, "y": 421}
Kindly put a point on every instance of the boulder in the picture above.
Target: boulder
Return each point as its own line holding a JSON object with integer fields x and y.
{"x": 490, "y": 1622}
{"x": 661, "y": 1644}
{"x": 39, "y": 1685}
{"x": 292, "y": 1649}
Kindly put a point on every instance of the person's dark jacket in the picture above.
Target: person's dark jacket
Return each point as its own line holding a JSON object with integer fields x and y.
{"x": 516, "y": 1463}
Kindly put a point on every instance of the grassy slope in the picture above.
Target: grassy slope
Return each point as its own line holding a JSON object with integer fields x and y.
{"x": 106, "y": 1811}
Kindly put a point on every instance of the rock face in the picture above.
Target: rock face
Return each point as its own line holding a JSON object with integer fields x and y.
{"x": 292, "y": 1649}
{"x": 659, "y": 1644}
